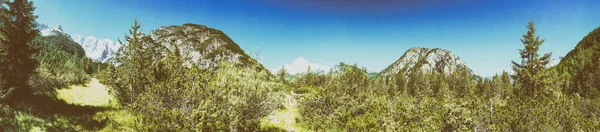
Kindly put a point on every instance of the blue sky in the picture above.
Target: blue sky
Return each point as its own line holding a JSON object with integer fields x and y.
{"x": 485, "y": 34}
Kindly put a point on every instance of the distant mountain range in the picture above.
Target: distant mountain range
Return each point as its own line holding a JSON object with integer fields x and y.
{"x": 96, "y": 49}
{"x": 207, "y": 47}
{"x": 203, "y": 45}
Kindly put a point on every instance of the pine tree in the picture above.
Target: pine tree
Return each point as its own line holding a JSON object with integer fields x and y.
{"x": 507, "y": 85}
{"x": 419, "y": 84}
{"x": 282, "y": 73}
{"x": 440, "y": 86}
{"x": 135, "y": 62}
{"x": 497, "y": 86}
{"x": 18, "y": 31}
{"x": 461, "y": 83}
{"x": 401, "y": 82}
{"x": 529, "y": 76}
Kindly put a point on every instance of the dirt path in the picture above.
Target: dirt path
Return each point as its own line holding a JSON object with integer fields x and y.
{"x": 286, "y": 118}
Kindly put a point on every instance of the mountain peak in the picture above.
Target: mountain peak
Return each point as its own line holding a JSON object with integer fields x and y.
{"x": 425, "y": 59}
{"x": 48, "y": 31}
{"x": 203, "y": 45}
{"x": 58, "y": 27}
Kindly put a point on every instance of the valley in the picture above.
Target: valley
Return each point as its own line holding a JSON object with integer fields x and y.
{"x": 196, "y": 77}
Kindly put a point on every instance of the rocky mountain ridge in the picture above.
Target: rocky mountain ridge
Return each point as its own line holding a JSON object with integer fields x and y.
{"x": 203, "y": 45}
{"x": 425, "y": 59}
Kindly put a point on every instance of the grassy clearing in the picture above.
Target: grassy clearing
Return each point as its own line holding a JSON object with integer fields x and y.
{"x": 69, "y": 109}
{"x": 96, "y": 94}
{"x": 91, "y": 94}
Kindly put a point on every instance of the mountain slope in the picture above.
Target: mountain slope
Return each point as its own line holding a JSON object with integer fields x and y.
{"x": 64, "y": 42}
{"x": 582, "y": 66}
{"x": 203, "y": 45}
{"x": 426, "y": 59}
{"x": 581, "y": 54}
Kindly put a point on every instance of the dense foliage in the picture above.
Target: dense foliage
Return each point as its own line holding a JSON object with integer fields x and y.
{"x": 165, "y": 94}
{"x": 61, "y": 63}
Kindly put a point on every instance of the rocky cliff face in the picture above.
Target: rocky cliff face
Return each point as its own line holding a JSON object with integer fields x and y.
{"x": 203, "y": 45}
{"x": 439, "y": 60}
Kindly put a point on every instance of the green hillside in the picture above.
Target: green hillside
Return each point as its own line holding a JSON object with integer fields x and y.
{"x": 582, "y": 65}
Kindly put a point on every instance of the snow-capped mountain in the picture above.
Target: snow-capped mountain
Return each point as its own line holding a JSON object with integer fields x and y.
{"x": 48, "y": 31}
{"x": 96, "y": 49}
{"x": 425, "y": 59}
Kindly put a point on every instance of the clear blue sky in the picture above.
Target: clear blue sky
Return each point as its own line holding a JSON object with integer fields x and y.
{"x": 485, "y": 34}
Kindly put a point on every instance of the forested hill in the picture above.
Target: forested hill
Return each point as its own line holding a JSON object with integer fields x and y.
{"x": 203, "y": 45}
{"x": 425, "y": 59}
{"x": 64, "y": 43}
{"x": 581, "y": 66}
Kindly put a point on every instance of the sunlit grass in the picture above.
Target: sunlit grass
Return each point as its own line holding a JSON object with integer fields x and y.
{"x": 92, "y": 94}
{"x": 96, "y": 94}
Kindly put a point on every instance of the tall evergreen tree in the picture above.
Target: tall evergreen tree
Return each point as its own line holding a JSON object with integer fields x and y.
{"x": 461, "y": 82}
{"x": 401, "y": 82}
{"x": 18, "y": 31}
{"x": 529, "y": 76}
{"x": 135, "y": 62}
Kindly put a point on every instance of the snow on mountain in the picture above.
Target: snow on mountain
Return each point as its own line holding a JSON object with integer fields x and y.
{"x": 48, "y": 31}
{"x": 96, "y": 49}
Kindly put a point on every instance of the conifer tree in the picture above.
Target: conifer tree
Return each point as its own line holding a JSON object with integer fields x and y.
{"x": 497, "y": 86}
{"x": 461, "y": 82}
{"x": 135, "y": 65}
{"x": 17, "y": 45}
{"x": 281, "y": 73}
{"x": 529, "y": 72}
{"x": 419, "y": 84}
{"x": 507, "y": 85}
{"x": 401, "y": 82}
